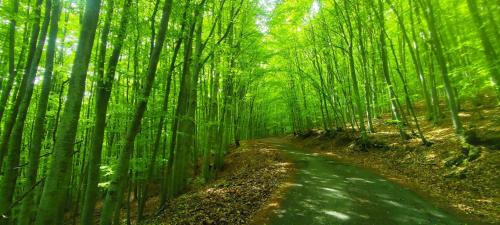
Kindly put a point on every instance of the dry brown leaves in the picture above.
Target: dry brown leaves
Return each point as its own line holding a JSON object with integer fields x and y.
{"x": 252, "y": 173}
{"x": 469, "y": 188}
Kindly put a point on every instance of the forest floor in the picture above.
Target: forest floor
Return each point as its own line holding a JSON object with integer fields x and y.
{"x": 463, "y": 181}
{"x": 248, "y": 187}
{"x": 257, "y": 175}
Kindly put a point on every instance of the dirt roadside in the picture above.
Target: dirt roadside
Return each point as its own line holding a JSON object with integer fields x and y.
{"x": 246, "y": 190}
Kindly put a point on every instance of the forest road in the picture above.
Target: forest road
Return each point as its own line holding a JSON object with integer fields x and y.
{"x": 325, "y": 191}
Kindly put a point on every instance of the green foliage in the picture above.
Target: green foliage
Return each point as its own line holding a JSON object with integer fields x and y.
{"x": 263, "y": 68}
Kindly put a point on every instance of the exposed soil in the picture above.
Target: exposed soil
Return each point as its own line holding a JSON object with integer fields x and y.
{"x": 248, "y": 185}
{"x": 456, "y": 178}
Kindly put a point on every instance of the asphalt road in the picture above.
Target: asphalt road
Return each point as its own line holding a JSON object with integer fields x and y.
{"x": 330, "y": 192}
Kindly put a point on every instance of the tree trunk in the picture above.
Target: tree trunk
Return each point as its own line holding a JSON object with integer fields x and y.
{"x": 11, "y": 59}
{"x": 9, "y": 124}
{"x": 385, "y": 67}
{"x": 116, "y": 187}
{"x": 489, "y": 50}
{"x": 27, "y": 214}
{"x": 438, "y": 51}
{"x": 8, "y": 185}
{"x": 103, "y": 94}
{"x": 54, "y": 193}
{"x": 159, "y": 130}
{"x": 181, "y": 125}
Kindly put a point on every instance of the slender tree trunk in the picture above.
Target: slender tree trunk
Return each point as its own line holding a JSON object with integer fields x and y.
{"x": 11, "y": 59}
{"x": 212, "y": 118}
{"x": 385, "y": 67}
{"x": 181, "y": 127}
{"x": 159, "y": 131}
{"x": 489, "y": 50}
{"x": 413, "y": 48}
{"x": 438, "y": 51}
{"x": 197, "y": 67}
{"x": 9, "y": 124}
{"x": 357, "y": 95}
{"x": 366, "y": 82}
{"x": 7, "y": 188}
{"x": 166, "y": 194}
{"x": 116, "y": 187}
{"x": 27, "y": 214}
{"x": 408, "y": 99}
{"x": 103, "y": 94}
{"x": 54, "y": 193}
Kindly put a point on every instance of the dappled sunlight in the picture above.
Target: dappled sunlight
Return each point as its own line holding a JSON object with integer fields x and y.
{"x": 438, "y": 214}
{"x": 442, "y": 134}
{"x": 330, "y": 154}
{"x": 300, "y": 153}
{"x": 464, "y": 114}
{"x": 267, "y": 149}
{"x": 294, "y": 184}
{"x": 334, "y": 194}
{"x": 383, "y": 196}
{"x": 393, "y": 203}
{"x": 331, "y": 190}
{"x": 354, "y": 179}
{"x": 463, "y": 207}
{"x": 328, "y": 192}
{"x": 430, "y": 156}
{"x": 489, "y": 201}
{"x": 308, "y": 204}
{"x": 273, "y": 204}
{"x": 338, "y": 215}
{"x": 361, "y": 200}
{"x": 283, "y": 164}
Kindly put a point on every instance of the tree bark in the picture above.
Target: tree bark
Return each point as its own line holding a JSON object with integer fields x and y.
{"x": 11, "y": 59}
{"x": 116, "y": 187}
{"x": 56, "y": 185}
{"x": 27, "y": 214}
{"x": 440, "y": 57}
{"x": 103, "y": 94}
{"x": 9, "y": 124}
{"x": 489, "y": 50}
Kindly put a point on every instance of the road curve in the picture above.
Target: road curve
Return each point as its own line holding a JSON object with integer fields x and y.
{"x": 325, "y": 191}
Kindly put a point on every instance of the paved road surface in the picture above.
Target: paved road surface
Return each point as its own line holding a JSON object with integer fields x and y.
{"x": 329, "y": 192}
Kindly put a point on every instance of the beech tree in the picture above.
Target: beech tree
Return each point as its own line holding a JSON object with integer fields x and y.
{"x": 152, "y": 105}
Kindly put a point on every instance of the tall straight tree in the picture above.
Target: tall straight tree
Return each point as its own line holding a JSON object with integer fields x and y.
{"x": 414, "y": 53}
{"x": 176, "y": 174}
{"x": 385, "y": 69}
{"x": 111, "y": 203}
{"x": 54, "y": 193}
{"x": 348, "y": 39}
{"x": 103, "y": 94}
{"x": 9, "y": 181}
{"x": 162, "y": 121}
{"x": 11, "y": 58}
{"x": 489, "y": 50}
{"x": 9, "y": 124}
{"x": 27, "y": 213}
{"x": 437, "y": 49}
